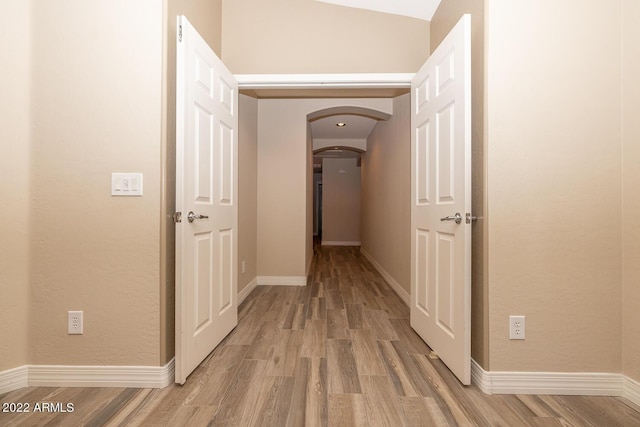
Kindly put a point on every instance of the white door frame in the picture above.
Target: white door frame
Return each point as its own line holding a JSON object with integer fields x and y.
{"x": 325, "y": 81}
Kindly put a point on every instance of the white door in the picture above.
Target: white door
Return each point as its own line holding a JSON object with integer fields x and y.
{"x": 206, "y": 195}
{"x": 440, "y": 200}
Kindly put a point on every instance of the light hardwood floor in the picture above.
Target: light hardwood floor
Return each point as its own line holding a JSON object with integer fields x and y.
{"x": 338, "y": 352}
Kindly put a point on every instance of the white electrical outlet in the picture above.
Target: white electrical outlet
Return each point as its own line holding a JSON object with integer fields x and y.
{"x": 516, "y": 327}
{"x": 74, "y": 323}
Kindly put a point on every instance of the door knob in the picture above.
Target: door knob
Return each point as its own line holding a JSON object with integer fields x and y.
{"x": 192, "y": 217}
{"x": 457, "y": 218}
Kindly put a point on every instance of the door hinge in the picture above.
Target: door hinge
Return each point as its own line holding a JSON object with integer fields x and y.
{"x": 177, "y": 217}
{"x": 179, "y": 33}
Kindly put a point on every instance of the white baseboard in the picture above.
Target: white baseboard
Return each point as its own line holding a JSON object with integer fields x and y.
{"x": 13, "y": 379}
{"x": 404, "y": 295}
{"x": 480, "y": 377}
{"x": 339, "y": 243}
{"x": 631, "y": 390}
{"x": 561, "y": 383}
{"x": 564, "y": 383}
{"x": 87, "y": 376}
{"x": 244, "y": 293}
{"x": 282, "y": 280}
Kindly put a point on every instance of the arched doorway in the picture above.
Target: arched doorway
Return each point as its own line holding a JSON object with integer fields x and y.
{"x": 339, "y": 138}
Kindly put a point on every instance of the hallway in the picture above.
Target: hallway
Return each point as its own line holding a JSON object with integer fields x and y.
{"x": 337, "y": 352}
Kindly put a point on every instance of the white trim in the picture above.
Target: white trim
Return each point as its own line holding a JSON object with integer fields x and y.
{"x": 282, "y": 280}
{"x": 244, "y": 293}
{"x": 631, "y": 390}
{"x": 87, "y": 376}
{"x": 564, "y": 383}
{"x": 480, "y": 377}
{"x": 102, "y": 376}
{"x": 575, "y": 383}
{"x": 339, "y": 243}
{"x": 387, "y": 277}
{"x": 561, "y": 383}
{"x": 13, "y": 379}
{"x": 325, "y": 81}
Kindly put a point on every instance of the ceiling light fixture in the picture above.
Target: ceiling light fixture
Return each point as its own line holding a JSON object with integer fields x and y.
{"x": 341, "y": 124}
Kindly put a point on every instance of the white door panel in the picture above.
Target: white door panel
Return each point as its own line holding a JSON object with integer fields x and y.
{"x": 441, "y": 187}
{"x": 206, "y": 185}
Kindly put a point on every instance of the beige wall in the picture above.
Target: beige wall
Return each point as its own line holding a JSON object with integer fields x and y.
{"x": 446, "y": 16}
{"x": 340, "y": 201}
{"x": 282, "y": 180}
{"x": 282, "y": 130}
{"x": 554, "y": 178}
{"x": 15, "y": 35}
{"x": 386, "y": 197}
{"x": 631, "y": 192}
{"x": 92, "y": 114}
{"x": 247, "y": 189}
{"x": 512, "y": 48}
{"x": 205, "y": 16}
{"x": 96, "y": 104}
{"x": 306, "y": 36}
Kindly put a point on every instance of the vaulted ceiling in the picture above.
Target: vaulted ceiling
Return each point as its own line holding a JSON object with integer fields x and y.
{"x": 421, "y": 9}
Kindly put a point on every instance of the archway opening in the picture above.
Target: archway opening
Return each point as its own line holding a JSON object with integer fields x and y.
{"x": 339, "y": 138}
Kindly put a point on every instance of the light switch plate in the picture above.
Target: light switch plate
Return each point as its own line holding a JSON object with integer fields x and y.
{"x": 126, "y": 184}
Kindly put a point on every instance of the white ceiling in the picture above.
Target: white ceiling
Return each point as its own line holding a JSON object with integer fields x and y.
{"x": 357, "y": 127}
{"x": 421, "y": 9}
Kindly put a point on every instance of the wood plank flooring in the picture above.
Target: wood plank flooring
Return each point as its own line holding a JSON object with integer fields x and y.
{"x": 338, "y": 352}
